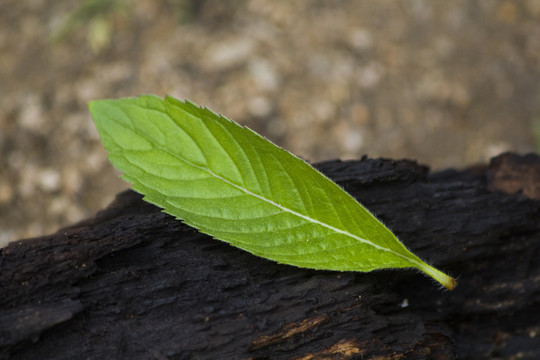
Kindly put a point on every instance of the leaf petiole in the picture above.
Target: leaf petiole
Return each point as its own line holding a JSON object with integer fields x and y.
{"x": 447, "y": 281}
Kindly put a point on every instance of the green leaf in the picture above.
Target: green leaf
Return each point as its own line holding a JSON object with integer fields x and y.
{"x": 231, "y": 183}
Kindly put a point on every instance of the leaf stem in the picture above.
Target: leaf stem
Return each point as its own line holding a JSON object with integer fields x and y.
{"x": 447, "y": 281}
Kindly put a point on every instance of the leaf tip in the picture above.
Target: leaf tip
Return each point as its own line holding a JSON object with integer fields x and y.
{"x": 94, "y": 106}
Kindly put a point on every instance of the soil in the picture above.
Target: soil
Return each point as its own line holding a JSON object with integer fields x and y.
{"x": 449, "y": 84}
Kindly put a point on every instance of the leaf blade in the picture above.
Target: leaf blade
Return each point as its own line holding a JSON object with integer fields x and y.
{"x": 219, "y": 177}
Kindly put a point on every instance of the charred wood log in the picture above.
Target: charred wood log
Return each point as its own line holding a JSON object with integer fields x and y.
{"x": 134, "y": 283}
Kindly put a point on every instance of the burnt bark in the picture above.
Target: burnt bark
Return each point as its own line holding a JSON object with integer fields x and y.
{"x": 134, "y": 283}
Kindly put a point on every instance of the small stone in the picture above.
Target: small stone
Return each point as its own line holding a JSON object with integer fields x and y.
{"x": 72, "y": 180}
{"x": 228, "y": 53}
{"x": 31, "y": 116}
{"x": 370, "y": 75}
{"x": 259, "y": 106}
{"x": 49, "y": 180}
{"x": 264, "y": 74}
{"x": 6, "y": 193}
{"x": 353, "y": 141}
{"x": 360, "y": 39}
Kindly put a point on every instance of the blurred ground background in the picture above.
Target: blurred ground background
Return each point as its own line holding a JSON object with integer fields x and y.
{"x": 448, "y": 83}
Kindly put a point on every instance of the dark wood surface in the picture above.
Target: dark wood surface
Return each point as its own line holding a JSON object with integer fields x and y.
{"x": 134, "y": 283}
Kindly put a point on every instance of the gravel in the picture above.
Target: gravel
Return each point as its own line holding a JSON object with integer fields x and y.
{"x": 449, "y": 84}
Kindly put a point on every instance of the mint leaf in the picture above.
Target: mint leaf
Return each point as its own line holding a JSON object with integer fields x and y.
{"x": 231, "y": 183}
